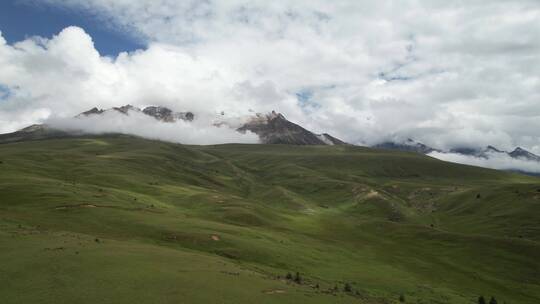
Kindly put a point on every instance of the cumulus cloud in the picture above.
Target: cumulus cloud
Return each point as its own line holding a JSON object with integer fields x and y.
{"x": 200, "y": 131}
{"x": 500, "y": 161}
{"x": 446, "y": 74}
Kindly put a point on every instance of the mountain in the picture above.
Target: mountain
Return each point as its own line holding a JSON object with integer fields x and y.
{"x": 274, "y": 128}
{"x": 118, "y": 219}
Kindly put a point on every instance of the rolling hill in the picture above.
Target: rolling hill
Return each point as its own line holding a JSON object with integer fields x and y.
{"x": 120, "y": 219}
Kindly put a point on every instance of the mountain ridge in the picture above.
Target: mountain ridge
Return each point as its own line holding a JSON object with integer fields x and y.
{"x": 271, "y": 128}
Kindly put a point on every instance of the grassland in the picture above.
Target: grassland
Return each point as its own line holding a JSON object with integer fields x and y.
{"x": 116, "y": 219}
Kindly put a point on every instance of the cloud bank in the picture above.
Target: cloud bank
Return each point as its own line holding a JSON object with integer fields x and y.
{"x": 500, "y": 161}
{"x": 200, "y": 131}
{"x": 446, "y": 74}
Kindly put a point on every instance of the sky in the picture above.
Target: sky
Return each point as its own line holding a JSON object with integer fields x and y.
{"x": 446, "y": 73}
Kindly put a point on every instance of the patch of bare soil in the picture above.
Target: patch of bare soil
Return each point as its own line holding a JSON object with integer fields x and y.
{"x": 274, "y": 291}
{"x": 75, "y": 206}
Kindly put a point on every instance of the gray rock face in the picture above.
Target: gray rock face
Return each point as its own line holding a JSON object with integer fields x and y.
{"x": 167, "y": 115}
{"x": 160, "y": 113}
{"x": 274, "y": 128}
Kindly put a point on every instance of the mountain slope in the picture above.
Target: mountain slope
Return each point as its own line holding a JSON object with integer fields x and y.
{"x": 132, "y": 220}
{"x": 35, "y": 132}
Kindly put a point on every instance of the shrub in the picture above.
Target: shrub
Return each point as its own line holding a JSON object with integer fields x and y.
{"x": 347, "y": 287}
{"x": 298, "y": 278}
{"x": 402, "y": 298}
{"x": 492, "y": 301}
{"x": 288, "y": 276}
{"x": 481, "y": 300}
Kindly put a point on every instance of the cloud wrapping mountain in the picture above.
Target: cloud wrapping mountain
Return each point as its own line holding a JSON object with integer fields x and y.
{"x": 500, "y": 161}
{"x": 447, "y": 75}
{"x": 200, "y": 131}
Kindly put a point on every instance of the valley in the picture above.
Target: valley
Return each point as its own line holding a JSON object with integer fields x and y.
{"x": 120, "y": 219}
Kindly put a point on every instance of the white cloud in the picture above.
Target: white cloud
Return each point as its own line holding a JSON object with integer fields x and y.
{"x": 500, "y": 161}
{"x": 442, "y": 73}
{"x": 200, "y": 131}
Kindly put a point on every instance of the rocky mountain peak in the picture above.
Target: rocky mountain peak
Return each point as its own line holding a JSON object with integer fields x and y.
{"x": 524, "y": 154}
{"x": 160, "y": 113}
{"x": 493, "y": 149}
{"x": 125, "y": 109}
{"x": 274, "y": 128}
{"x": 92, "y": 111}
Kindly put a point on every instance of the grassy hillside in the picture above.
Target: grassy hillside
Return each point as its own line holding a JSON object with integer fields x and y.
{"x": 127, "y": 220}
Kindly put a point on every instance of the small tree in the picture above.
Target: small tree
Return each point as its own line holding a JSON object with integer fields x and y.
{"x": 492, "y": 300}
{"x": 317, "y": 286}
{"x": 298, "y": 278}
{"x": 347, "y": 287}
{"x": 401, "y": 298}
{"x": 481, "y": 300}
{"x": 288, "y": 276}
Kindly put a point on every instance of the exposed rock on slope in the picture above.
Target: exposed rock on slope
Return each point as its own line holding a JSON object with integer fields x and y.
{"x": 167, "y": 115}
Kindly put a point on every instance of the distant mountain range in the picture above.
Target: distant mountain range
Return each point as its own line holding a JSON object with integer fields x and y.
{"x": 411, "y": 145}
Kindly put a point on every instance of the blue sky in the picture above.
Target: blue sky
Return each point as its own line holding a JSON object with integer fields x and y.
{"x": 20, "y": 19}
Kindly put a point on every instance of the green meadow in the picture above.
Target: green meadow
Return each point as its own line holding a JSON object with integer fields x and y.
{"x": 117, "y": 219}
